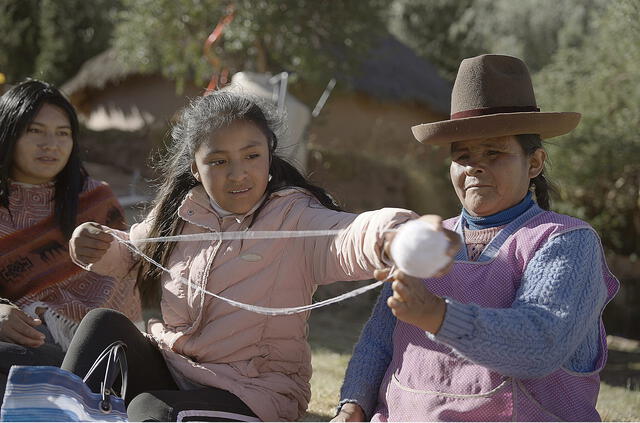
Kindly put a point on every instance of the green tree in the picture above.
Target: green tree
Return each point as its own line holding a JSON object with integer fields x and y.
{"x": 533, "y": 30}
{"x": 313, "y": 39}
{"x": 445, "y": 32}
{"x": 439, "y": 30}
{"x": 597, "y": 165}
{"x": 50, "y": 39}
{"x": 19, "y": 34}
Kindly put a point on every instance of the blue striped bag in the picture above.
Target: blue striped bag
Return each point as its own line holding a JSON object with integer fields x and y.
{"x": 47, "y": 393}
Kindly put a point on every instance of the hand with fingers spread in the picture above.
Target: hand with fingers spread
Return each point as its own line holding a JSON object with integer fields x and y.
{"x": 349, "y": 412}
{"x": 18, "y": 328}
{"x": 89, "y": 242}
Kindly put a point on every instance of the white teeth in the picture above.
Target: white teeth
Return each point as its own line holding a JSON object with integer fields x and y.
{"x": 239, "y": 191}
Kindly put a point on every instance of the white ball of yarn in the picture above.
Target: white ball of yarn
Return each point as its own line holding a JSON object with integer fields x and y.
{"x": 419, "y": 250}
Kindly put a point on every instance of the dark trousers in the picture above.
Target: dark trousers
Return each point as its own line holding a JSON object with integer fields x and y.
{"x": 152, "y": 394}
{"x": 48, "y": 354}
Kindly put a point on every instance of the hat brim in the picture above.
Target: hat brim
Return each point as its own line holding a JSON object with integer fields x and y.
{"x": 546, "y": 124}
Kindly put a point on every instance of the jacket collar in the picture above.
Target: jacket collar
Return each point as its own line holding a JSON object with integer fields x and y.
{"x": 196, "y": 208}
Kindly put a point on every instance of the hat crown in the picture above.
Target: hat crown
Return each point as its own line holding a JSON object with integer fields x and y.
{"x": 494, "y": 83}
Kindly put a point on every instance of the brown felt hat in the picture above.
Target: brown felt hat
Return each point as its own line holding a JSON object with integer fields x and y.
{"x": 493, "y": 97}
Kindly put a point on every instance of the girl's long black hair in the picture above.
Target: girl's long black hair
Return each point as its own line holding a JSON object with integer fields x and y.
{"x": 18, "y": 107}
{"x": 197, "y": 123}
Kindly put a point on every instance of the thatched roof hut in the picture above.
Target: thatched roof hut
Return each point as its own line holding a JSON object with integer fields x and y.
{"x": 368, "y": 115}
{"x": 394, "y": 72}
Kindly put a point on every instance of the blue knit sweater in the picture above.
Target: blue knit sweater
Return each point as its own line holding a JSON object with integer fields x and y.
{"x": 557, "y": 309}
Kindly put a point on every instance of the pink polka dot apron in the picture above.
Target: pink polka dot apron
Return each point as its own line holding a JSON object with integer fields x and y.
{"x": 427, "y": 381}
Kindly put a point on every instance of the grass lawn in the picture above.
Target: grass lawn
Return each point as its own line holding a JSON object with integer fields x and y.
{"x": 335, "y": 329}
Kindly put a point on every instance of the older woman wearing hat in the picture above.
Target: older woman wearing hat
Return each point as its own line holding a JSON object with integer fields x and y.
{"x": 514, "y": 330}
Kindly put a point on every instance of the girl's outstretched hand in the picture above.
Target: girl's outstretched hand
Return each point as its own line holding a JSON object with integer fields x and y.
{"x": 452, "y": 237}
{"x": 89, "y": 242}
{"x": 435, "y": 222}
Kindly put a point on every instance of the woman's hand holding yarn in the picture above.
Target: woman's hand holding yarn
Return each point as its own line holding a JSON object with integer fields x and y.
{"x": 421, "y": 249}
{"x": 413, "y": 303}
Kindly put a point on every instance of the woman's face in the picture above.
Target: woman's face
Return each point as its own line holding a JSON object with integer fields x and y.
{"x": 43, "y": 150}
{"x": 491, "y": 175}
{"x": 233, "y": 166}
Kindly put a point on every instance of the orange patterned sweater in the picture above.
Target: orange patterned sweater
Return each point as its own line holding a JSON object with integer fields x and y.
{"x": 64, "y": 303}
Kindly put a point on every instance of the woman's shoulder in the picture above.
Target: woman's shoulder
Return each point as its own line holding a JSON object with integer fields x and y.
{"x": 91, "y": 184}
{"x": 550, "y": 231}
{"x": 95, "y": 189}
{"x": 555, "y": 224}
{"x": 563, "y": 219}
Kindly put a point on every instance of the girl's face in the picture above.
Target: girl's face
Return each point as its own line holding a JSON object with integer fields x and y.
{"x": 491, "y": 175}
{"x": 44, "y": 148}
{"x": 233, "y": 166}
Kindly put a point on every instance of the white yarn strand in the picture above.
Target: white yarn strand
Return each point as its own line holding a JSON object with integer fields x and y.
{"x": 253, "y": 308}
{"x": 235, "y": 235}
{"x": 418, "y": 249}
{"x": 61, "y": 328}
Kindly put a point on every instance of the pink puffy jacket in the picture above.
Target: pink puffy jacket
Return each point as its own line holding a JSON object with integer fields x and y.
{"x": 264, "y": 360}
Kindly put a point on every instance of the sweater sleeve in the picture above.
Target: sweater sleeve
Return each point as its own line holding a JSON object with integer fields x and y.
{"x": 118, "y": 262}
{"x": 554, "y": 318}
{"x": 371, "y": 357}
{"x": 356, "y": 251}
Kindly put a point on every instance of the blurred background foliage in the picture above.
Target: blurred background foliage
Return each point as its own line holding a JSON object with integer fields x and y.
{"x": 310, "y": 39}
{"x": 51, "y": 39}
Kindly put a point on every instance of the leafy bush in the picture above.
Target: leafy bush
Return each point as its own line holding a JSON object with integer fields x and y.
{"x": 598, "y": 166}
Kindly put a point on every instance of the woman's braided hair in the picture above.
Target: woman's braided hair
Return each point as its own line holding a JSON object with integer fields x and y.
{"x": 542, "y": 187}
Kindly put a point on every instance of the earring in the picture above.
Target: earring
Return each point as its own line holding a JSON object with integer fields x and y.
{"x": 269, "y": 178}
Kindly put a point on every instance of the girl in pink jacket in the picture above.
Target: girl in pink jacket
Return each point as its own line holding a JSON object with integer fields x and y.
{"x": 207, "y": 359}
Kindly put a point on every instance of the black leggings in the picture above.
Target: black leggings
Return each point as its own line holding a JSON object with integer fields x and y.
{"x": 152, "y": 394}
